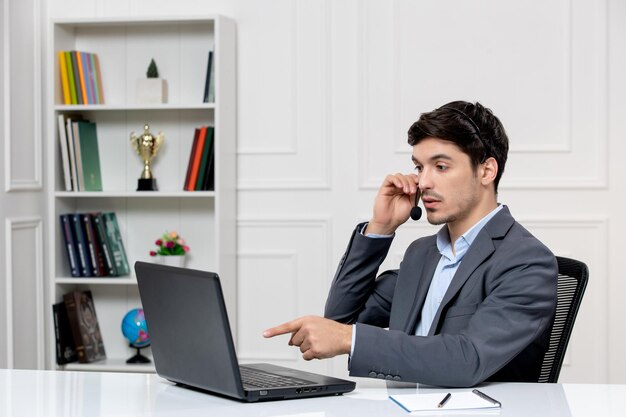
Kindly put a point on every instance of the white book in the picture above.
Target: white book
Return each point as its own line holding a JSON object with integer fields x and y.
{"x": 65, "y": 156}
{"x": 74, "y": 147}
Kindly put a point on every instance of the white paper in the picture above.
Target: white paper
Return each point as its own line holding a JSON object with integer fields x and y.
{"x": 416, "y": 403}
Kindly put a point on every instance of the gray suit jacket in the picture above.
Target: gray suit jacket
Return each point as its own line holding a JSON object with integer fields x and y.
{"x": 493, "y": 323}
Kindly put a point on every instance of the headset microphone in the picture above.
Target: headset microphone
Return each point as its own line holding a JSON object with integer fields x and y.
{"x": 416, "y": 211}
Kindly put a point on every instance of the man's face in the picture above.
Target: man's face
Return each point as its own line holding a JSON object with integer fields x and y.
{"x": 450, "y": 187}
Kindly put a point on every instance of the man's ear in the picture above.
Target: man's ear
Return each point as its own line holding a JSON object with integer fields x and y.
{"x": 488, "y": 171}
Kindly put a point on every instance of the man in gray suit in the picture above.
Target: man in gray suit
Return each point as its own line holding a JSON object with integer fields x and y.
{"x": 473, "y": 303}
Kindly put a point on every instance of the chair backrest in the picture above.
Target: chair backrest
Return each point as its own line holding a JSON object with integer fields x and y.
{"x": 572, "y": 281}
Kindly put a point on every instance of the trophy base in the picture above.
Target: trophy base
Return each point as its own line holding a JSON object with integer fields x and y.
{"x": 147, "y": 184}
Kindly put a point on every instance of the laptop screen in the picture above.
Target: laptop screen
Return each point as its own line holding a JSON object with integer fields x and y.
{"x": 189, "y": 329}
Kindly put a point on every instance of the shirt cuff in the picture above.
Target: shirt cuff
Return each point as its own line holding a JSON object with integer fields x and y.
{"x": 373, "y": 235}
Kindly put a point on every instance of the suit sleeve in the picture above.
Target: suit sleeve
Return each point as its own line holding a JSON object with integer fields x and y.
{"x": 356, "y": 294}
{"x": 518, "y": 307}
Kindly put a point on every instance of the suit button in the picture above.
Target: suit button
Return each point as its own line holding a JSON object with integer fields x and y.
{"x": 380, "y": 376}
{"x": 389, "y": 377}
{"x": 397, "y": 378}
{"x": 372, "y": 374}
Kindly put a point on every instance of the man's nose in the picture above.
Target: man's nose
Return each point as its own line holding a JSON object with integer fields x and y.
{"x": 425, "y": 181}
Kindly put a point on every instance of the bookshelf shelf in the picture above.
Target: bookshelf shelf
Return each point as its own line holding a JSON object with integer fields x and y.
{"x": 96, "y": 281}
{"x": 132, "y": 107}
{"x": 133, "y": 194}
{"x": 205, "y": 219}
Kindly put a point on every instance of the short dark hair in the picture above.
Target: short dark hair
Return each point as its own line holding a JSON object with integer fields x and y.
{"x": 472, "y": 127}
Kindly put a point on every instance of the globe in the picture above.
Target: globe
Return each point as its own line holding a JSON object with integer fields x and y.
{"x": 134, "y": 328}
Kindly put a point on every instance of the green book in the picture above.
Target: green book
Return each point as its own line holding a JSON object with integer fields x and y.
{"x": 70, "y": 76}
{"x": 204, "y": 162}
{"x": 90, "y": 157}
{"x": 103, "y": 243}
{"x": 114, "y": 237}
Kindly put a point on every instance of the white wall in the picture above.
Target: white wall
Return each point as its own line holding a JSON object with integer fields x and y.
{"x": 326, "y": 92}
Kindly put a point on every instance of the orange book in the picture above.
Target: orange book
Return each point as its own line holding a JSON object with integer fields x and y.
{"x": 64, "y": 80}
{"x": 81, "y": 76}
{"x": 196, "y": 159}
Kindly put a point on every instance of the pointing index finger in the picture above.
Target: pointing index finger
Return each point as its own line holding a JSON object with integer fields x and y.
{"x": 289, "y": 327}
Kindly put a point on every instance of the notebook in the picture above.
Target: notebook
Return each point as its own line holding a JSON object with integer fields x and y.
{"x": 466, "y": 402}
{"x": 192, "y": 343}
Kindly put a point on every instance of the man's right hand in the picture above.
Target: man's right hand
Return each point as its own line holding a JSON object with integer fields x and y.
{"x": 392, "y": 207}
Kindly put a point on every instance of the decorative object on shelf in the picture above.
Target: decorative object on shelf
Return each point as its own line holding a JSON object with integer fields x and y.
{"x": 171, "y": 250}
{"x": 147, "y": 146}
{"x": 152, "y": 90}
{"x": 135, "y": 330}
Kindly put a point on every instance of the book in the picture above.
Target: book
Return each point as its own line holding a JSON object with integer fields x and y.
{"x": 65, "y": 346}
{"x": 95, "y": 255}
{"x": 69, "y": 132}
{"x": 197, "y": 158}
{"x": 114, "y": 238}
{"x": 211, "y": 97}
{"x": 94, "y": 77}
{"x": 427, "y": 403}
{"x": 90, "y": 77}
{"x": 82, "y": 77}
{"x": 191, "y": 158}
{"x": 78, "y": 160}
{"x": 77, "y": 83}
{"x": 83, "y": 320}
{"x": 89, "y": 155}
{"x": 207, "y": 81}
{"x": 65, "y": 87}
{"x": 204, "y": 161}
{"x": 83, "y": 257}
{"x": 70, "y": 77}
{"x": 103, "y": 244}
{"x": 98, "y": 76}
{"x": 65, "y": 154}
{"x": 70, "y": 244}
{"x": 208, "y": 182}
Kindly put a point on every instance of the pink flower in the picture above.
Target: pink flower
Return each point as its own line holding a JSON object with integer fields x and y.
{"x": 169, "y": 244}
{"x": 186, "y": 248}
{"x": 159, "y": 242}
{"x": 152, "y": 253}
{"x": 180, "y": 241}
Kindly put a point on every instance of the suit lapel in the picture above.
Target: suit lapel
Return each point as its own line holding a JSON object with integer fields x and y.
{"x": 418, "y": 284}
{"x": 479, "y": 251}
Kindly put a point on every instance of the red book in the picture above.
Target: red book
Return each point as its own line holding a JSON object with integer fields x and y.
{"x": 197, "y": 158}
{"x": 191, "y": 158}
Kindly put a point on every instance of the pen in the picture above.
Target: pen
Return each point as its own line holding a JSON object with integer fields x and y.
{"x": 486, "y": 397}
{"x": 445, "y": 400}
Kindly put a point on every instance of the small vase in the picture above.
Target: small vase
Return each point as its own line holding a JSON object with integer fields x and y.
{"x": 172, "y": 260}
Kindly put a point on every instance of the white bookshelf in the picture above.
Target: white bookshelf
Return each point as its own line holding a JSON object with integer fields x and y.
{"x": 205, "y": 219}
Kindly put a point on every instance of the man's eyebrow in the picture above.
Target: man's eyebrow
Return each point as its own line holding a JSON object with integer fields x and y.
{"x": 433, "y": 158}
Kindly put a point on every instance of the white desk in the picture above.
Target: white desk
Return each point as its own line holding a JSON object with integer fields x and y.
{"x": 73, "y": 394}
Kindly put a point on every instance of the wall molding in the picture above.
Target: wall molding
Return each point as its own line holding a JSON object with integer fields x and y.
{"x": 597, "y": 179}
{"x": 11, "y": 226}
{"x": 35, "y": 183}
{"x": 293, "y": 150}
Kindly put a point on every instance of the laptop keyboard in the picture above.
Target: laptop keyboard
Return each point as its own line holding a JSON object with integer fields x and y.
{"x": 253, "y": 378}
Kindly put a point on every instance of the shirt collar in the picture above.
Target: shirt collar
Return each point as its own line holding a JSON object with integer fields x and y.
{"x": 464, "y": 241}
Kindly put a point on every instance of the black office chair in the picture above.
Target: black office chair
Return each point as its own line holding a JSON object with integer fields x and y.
{"x": 572, "y": 281}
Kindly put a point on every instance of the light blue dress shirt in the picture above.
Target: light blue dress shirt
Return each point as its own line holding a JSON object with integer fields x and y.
{"x": 446, "y": 268}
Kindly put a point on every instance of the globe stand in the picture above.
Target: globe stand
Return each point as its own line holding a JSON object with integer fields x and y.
{"x": 138, "y": 358}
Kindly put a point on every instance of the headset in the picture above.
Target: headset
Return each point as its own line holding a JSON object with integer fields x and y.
{"x": 416, "y": 211}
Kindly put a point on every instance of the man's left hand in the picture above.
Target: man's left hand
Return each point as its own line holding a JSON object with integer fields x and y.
{"x": 317, "y": 337}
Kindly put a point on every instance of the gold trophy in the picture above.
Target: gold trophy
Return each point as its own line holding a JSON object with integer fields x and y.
{"x": 146, "y": 146}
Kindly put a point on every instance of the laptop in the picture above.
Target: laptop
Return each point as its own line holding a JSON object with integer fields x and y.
{"x": 192, "y": 344}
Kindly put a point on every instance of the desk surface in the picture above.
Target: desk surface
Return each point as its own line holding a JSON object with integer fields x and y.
{"x": 72, "y": 394}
